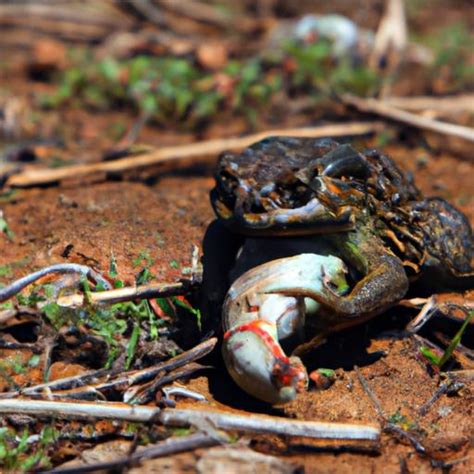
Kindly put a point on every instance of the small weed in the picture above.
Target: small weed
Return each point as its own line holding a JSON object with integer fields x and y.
{"x": 5, "y": 270}
{"x": 143, "y": 258}
{"x": 5, "y": 228}
{"x": 23, "y": 453}
{"x": 439, "y": 361}
{"x": 327, "y": 372}
{"x": 401, "y": 420}
{"x": 453, "y": 46}
{"x": 186, "y": 306}
{"x": 113, "y": 272}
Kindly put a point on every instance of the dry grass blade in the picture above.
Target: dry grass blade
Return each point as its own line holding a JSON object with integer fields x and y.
{"x": 176, "y": 155}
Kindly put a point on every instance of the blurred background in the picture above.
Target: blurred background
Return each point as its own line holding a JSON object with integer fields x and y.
{"x": 165, "y": 72}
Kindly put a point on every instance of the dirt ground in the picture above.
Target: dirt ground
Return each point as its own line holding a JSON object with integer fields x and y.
{"x": 167, "y": 218}
{"x": 164, "y": 215}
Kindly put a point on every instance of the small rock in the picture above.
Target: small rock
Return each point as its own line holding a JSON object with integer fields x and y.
{"x": 242, "y": 461}
{"x": 212, "y": 55}
{"x": 444, "y": 411}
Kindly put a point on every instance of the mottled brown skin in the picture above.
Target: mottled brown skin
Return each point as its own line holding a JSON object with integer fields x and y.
{"x": 357, "y": 206}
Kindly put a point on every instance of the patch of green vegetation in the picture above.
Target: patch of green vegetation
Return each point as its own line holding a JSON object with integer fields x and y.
{"x": 174, "y": 264}
{"x": 7, "y": 270}
{"x": 5, "y": 228}
{"x": 20, "y": 453}
{"x": 143, "y": 258}
{"x": 313, "y": 68}
{"x": 181, "y": 431}
{"x": 452, "y": 46}
{"x": 7, "y": 305}
{"x": 113, "y": 270}
{"x": 170, "y": 306}
{"x": 329, "y": 373}
{"x": 9, "y": 195}
{"x": 176, "y": 90}
{"x": 118, "y": 325}
{"x": 401, "y": 420}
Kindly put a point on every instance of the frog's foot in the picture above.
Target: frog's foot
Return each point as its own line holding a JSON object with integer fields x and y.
{"x": 258, "y": 364}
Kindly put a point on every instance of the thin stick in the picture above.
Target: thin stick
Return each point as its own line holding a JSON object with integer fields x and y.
{"x": 440, "y": 391}
{"x": 126, "y": 378}
{"x": 381, "y": 108}
{"x": 167, "y": 447}
{"x": 450, "y": 104}
{"x": 174, "y": 155}
{"x": 370, "y": 394}
{"x": 13, "y": 288}
{"x": 79, "y": 410}
{"x": 268, "y": 424}
{"x": 145, "y": 394}
{"x": 387, "y": 426}
{"x": 157, "y": 290}
{"x": 186, "y": 417}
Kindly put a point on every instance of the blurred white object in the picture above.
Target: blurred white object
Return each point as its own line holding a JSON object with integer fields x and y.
{"x": 343, "y": 32}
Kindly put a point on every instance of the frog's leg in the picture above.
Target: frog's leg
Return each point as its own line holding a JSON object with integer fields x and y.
{"x": 383, "y": 285}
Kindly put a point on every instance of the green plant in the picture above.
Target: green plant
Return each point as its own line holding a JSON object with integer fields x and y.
{"x": 401, "y": 420}
{"x": 20, "y": 453}
{"x": 453, "y": 47}
{"x": 439, "y": 361}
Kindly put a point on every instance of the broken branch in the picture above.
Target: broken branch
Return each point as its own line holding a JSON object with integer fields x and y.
{"x": 176, "y": 154}
{"x": 186, "y": 417}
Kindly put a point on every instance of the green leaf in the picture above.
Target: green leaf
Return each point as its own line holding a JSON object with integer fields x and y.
{"x": 430, "y": 355}
{"x": 329, "y": 373}
{"x": 113, "y": 273}
{"x": 132, "y": 345}
{"x": 455, "y": 341}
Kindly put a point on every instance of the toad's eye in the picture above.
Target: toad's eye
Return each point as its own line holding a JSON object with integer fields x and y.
{"x": 345, "y": 161}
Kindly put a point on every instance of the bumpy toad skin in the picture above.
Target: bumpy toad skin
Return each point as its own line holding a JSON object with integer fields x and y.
{"x": 283, "y": 197}
{"x": 364, "y": 208}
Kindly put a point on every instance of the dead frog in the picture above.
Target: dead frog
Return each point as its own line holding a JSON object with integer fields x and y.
{"x": 284, "y": 197}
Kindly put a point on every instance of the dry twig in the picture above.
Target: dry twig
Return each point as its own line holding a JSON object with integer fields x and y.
{"x": 385, "y": 110}
{"x": 13, "y": 288}
{"x": 175, "y": 157}
{"x": 123, "y": 379}
{"x": 119, "y": 295}
{"x": 388, "y": 427}
{"x": 187, "y": 417}
{"x": 449, "y": 105}
{"x": 167, "y": 447}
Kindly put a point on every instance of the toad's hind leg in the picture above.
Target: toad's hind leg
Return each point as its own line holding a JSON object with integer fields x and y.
{"x": 384, "y": 285}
